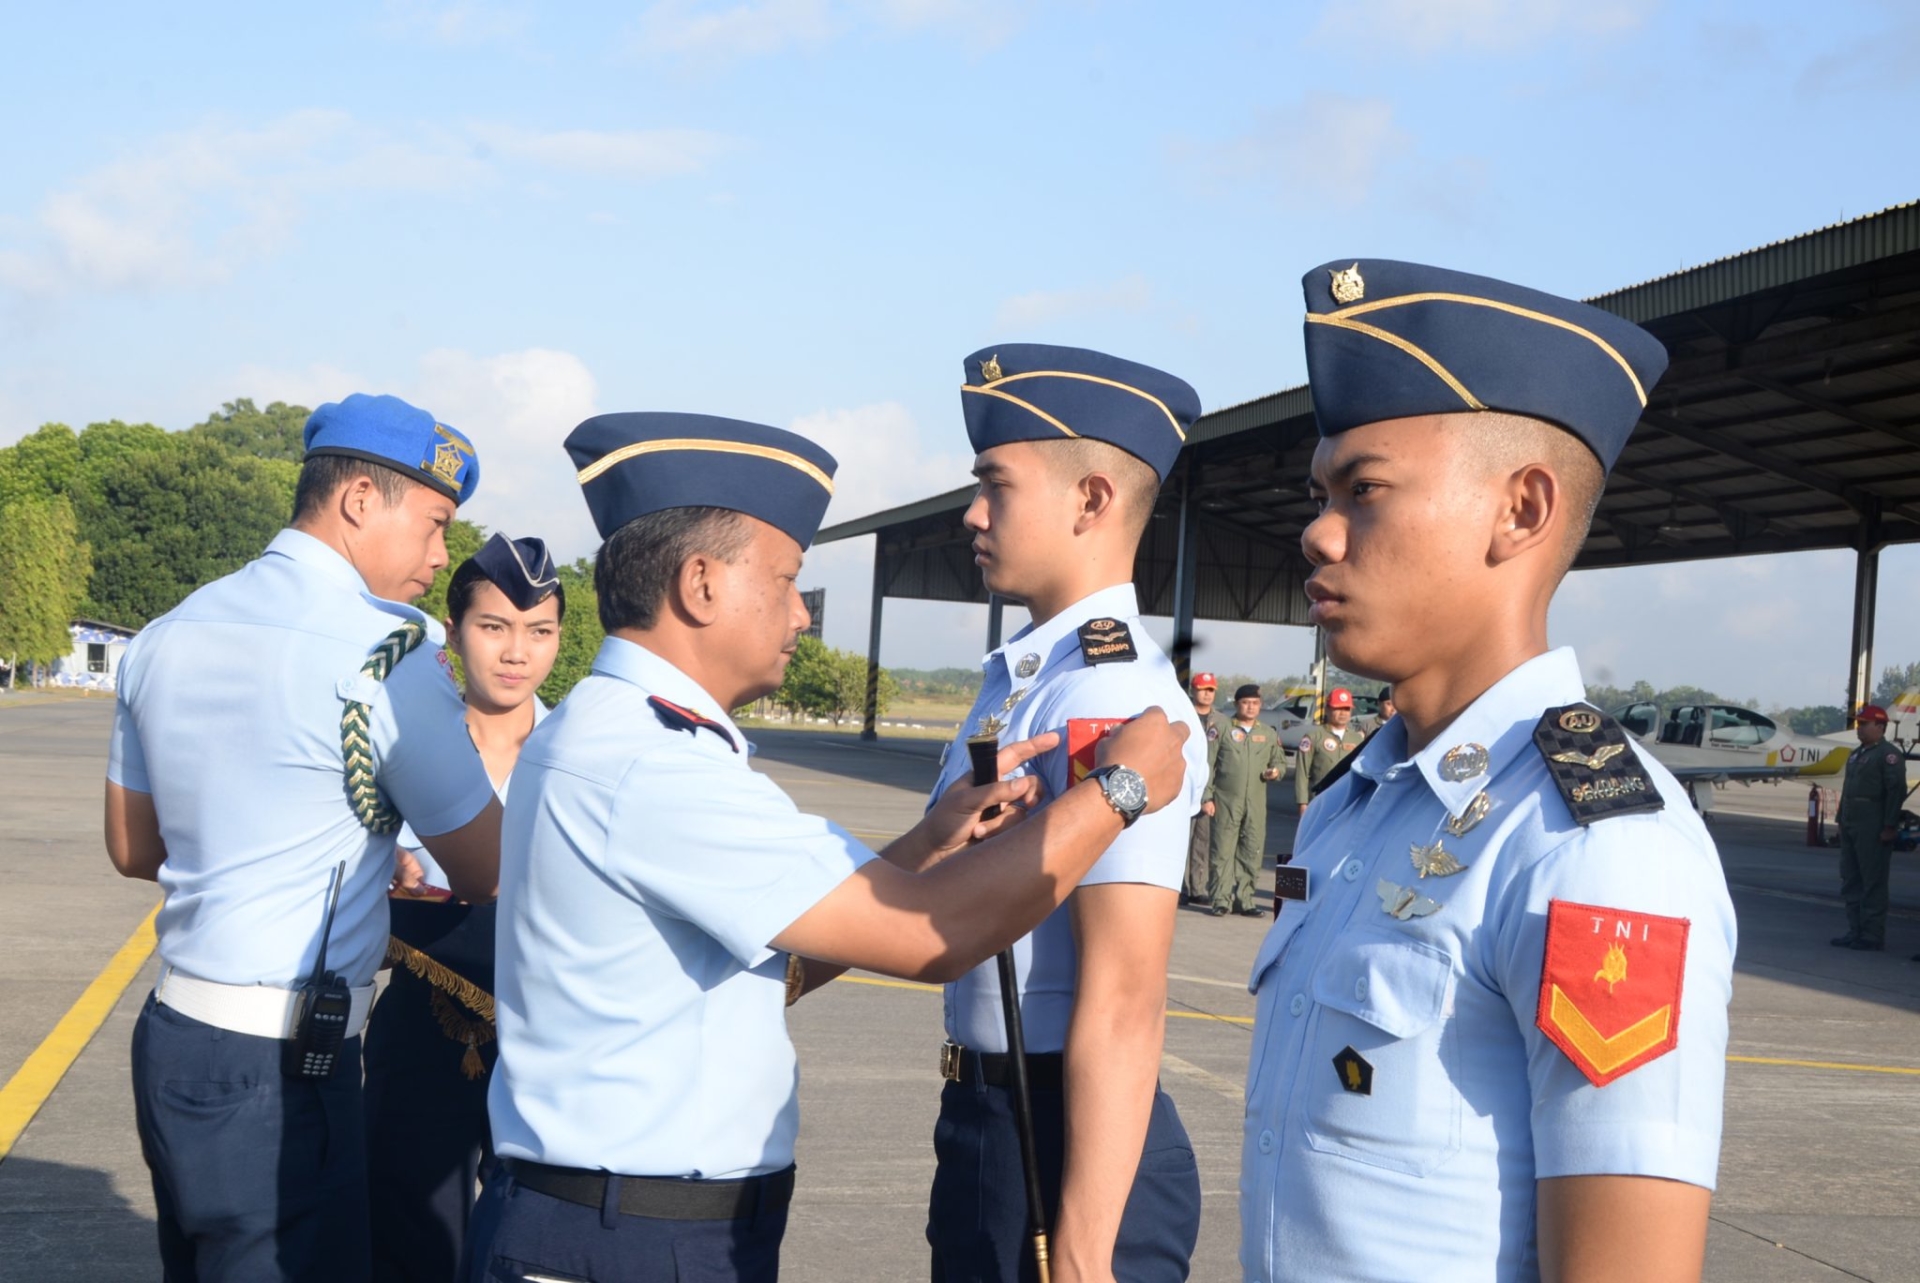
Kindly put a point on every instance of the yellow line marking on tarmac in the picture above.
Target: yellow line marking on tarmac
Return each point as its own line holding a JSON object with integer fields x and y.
{"x": 1247, "y": 1020}
{"x": 35, "y": 1080}
{"x": 1822, "y": 1064}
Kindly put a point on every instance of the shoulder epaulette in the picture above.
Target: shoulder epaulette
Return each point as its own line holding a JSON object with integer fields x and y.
{"x": 1106, "y": 641}
{"x": 677, "y": 718}
{"x": 1593, "y": 765}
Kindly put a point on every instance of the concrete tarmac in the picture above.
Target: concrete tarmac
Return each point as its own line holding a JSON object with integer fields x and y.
{"x": 1817, "y": 1175}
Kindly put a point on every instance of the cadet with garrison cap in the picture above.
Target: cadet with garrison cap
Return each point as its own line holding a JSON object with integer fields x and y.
{"x": 1071, "y": 447}
{"x": 1325, "y": 746}
{"x": 271, "y": 732}
{"x": 1198, "y": 887}
{"x": 430, "y": 1040}
{"x": 661, "y": 901}
{"x": 1491, "y": 1031}
{"x": 1871, "y": 794}
{"x": 1246, "y": 758}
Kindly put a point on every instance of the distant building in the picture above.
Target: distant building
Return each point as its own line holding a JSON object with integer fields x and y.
{"x": 95, "y": 659}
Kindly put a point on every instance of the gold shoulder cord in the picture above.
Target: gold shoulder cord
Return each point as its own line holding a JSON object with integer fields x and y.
{"x": 796, "y": 978}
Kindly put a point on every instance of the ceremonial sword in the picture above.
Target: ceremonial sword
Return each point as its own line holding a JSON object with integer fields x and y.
{"x": 984, "y": 751}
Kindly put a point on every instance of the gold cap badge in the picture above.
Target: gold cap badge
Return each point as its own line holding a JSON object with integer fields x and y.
{"x": 1348, "y": 287}
{"x": 990, "y": 368}
{"x": 449, "y": 456}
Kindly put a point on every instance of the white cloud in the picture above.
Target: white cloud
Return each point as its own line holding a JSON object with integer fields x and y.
{"x": 464, "y": 22}
{"x": 314, "y": 385}
{"x": 517, "y": 408}
{"x": 626, "y": 153}
{"x": 1129, "y": 294}
{"x": 1428, "y": 27}
{"x": 706, "y": 31}
{"x": 192, "y": 208}
{"x": 1322, "y": 149}
{"x": 883, "y": 459}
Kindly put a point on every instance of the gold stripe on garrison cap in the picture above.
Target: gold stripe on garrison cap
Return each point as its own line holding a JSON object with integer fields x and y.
{"x": 1339, "y": 321}
{"x": 639, "y": 448}
{"x": 1028, "y": 406}
{"x": 991, "y": 372}
{"x": 1513, "y": 309}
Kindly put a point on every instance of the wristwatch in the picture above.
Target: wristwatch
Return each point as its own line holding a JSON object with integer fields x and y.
{"x": 1126, "y": 791}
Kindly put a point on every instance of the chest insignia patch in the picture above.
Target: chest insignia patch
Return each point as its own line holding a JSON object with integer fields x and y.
{"x": 1083, "y": 739}
{"x": 1610, "y": 987}
{"x": 1435, "y": 861}
{"x": 1332, "y": 746}
{"x": 1106, "y": 641}
{"x": 674, "y": 717}
{"x": 1459, "y": 825}
{"x": 1213, "y": 733}
{"x": 1595, "y": 770}
{"x": 1356, "y": 1075}
{"x": 1404, "y": 902}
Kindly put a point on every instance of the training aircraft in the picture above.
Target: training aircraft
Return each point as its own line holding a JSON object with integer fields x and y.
{"x": 1708, "y": 744}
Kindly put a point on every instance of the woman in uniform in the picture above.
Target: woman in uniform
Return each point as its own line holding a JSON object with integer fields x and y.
{"x": 430, "y": 1039}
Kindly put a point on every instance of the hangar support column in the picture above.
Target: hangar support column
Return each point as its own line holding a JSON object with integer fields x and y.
{"x": 869, "y": 728}
{"x": 1866, "y": 592}
{"x": 1186, "y": 567}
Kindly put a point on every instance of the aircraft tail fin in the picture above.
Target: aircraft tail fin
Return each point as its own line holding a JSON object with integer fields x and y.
{"x": 1903, "y": 716}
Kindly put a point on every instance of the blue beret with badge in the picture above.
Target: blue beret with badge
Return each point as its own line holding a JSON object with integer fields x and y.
{"x": 387, "y": 431}
{"x": 522, "y": 569}
{"x": 1388, "y": 340}
{"x": 634, "y": 464}
{"x": 1038, "y": 392}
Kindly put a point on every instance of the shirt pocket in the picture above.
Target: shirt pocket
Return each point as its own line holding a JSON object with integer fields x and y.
{"x": 1270, "y": 1009}
{"x": 1389, "y": 998}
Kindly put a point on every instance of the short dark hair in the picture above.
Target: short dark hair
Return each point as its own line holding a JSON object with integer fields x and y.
{"x": 322, "y": 475}
{"x": 636, "y": 565}
{"x": 468, "y": 576}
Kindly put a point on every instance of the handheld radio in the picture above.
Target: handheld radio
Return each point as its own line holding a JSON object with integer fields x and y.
{"x": 324, "y": 1004}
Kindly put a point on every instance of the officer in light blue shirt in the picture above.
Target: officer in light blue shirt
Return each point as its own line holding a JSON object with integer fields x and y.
{"x": 660, "y": 900}
{"x": 1492, "y": 1015}
{"x": 1071, "y": 448}
{"x": 271, "y": 731}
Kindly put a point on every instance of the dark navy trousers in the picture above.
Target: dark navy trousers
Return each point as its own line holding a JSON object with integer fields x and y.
{"x": 519, "y": 1235}
{"x": 977, "y": 1216}
{"x": 256, "y": 1177}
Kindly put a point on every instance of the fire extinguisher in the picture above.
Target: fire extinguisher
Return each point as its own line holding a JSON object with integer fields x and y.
{"x": 1814, "y": 836}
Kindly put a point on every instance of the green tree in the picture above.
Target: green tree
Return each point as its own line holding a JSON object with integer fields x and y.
{"x": 580, "y": 634}
{"x": 463, "y": 540}
{"x": 40, "y": 465}
{"x": 1815, "y": 719}
{"x": 1896, "y": 681}
{"x": 823, "y": 682}
{"x": 43, "y": 577}
{"x": 277, "y": 432}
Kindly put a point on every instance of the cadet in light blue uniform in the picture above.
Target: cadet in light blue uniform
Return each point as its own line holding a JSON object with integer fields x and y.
{"x": 658, "y": 895}
{"x": 260, "y": 745}
{"x": 1071, "y": 448}
{"x": 1492, "y": 1017}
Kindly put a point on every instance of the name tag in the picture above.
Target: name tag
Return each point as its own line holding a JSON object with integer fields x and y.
{"x": 1290, "y": 882}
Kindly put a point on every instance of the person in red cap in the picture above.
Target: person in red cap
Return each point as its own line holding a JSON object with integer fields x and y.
{"x": 1198, "y": 887}
{"x": 1870, "y": 798}
{"x": 1325, "y": 746}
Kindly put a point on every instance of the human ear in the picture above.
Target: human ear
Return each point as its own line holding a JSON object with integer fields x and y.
{"x": 1096, "y": 497}
{"x": 1529, "y": 515}
{"x": 697, "y": 589}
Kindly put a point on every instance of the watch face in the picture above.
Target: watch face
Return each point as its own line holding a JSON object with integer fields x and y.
{"x": 1127, "y": 789}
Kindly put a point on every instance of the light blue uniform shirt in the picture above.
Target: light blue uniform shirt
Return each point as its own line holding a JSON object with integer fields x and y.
{"x": 229, "y": 715}
{"x": 644, "y": 869}
{"x": 432, "y": 874}
{"x": 1432, "y": 1175}
{"x": 1064, "y": 686}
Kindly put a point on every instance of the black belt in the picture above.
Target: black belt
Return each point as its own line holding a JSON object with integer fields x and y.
{"x": 664, "y": 1198}
{"x": 995, "y": 1068}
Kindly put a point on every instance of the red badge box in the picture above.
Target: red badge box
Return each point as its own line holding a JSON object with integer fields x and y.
{"x": 1610, "y": 987}
{"x": 1083, "y": 735}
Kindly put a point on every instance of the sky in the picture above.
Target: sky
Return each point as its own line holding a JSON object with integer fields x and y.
{"x": 805, "y": 212}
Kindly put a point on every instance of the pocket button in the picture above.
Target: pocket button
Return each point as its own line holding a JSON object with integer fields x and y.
{"x": 1352, "y": 870}
{"x": 1299, "y": 1004}
{"x": 1266, "y": 1142}
{"x": 1360, "y": 989}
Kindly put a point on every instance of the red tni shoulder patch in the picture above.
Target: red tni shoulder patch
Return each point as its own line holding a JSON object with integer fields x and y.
{"x": 1083, "y": 734}
{"x": 1610, "y": 987}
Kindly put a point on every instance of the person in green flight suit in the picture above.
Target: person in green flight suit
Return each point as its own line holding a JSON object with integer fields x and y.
{"x": 1325, "y": 746}
{"x": 1198, "y": 886}
{"x": 1870, "y": 798}
{"x": 1245, "y": 757}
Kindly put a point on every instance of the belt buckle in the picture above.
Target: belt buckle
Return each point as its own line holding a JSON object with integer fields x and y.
{"x": 950, "y": 1061}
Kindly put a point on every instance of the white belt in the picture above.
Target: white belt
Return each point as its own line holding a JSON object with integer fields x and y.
{"x": 260, "y": 1010}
